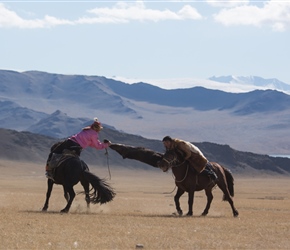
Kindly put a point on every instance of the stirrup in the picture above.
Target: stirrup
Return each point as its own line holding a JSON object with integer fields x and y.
{"x": 48, "y": 176}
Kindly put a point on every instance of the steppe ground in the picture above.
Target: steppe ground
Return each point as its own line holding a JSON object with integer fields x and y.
{"x": 141, "y": 215}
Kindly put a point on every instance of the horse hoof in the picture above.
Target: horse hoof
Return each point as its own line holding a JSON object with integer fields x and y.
{"x": 204, "y": 214}
{"x": 236, "y": 214}
{"x": 180, "y": 213}
{"x": 189, "y": 214}
{"x": 64, "y": 211}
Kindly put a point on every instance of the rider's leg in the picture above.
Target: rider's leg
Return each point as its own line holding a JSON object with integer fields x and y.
{"x": 209, "y": 170}
{"x": 48, "y": 173}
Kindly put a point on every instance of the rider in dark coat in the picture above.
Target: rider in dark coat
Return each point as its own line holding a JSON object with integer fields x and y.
{"x": 192, "y": 154}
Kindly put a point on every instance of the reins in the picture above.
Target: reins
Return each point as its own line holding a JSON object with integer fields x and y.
{"x": 171, "y": 191}
{"x": 187, "y": 167}
{"x": 178, "y": 165}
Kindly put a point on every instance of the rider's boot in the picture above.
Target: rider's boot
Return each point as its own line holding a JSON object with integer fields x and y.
{"x": 48, "y": 173}
{"x": 211, "y": 173}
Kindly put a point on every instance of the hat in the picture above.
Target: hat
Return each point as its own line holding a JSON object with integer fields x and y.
{"x": 97, "y": 123}
{"x": 96, "y": 120}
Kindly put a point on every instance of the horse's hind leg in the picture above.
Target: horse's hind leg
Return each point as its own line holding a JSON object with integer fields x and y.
{"x": 230, "y": 200}
{"x": 48, "y": 193}
{"x": 227, "y": 197}
{"x": 72, "y": 195}
{"x": 209, "y": 196}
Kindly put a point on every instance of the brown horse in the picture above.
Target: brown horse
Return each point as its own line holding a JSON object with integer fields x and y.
{"x": 188, "y": 180}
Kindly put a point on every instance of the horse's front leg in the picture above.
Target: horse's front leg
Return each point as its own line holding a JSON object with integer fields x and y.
{"x": 65, "y": 194}
{"x": 178, "y": 194}
{"x": 72, "y": 195}
{"x": 209, "y": 196}
{"x": 48, "y": 193}
{"x": 190, "y": 202}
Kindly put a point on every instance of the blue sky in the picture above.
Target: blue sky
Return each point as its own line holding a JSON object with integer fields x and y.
{"x": 147, "y": 39}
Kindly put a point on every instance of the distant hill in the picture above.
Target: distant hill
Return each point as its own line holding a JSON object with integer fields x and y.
{"x": 26, "y": 146}
{"x": 206, "y": 99}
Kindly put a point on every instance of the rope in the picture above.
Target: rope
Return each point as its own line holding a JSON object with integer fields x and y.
{"x": 177, "y": 180}
{"x": 107, "y": 154}
{"x": 170, "y": 163}
{"x": 170, "y": 192}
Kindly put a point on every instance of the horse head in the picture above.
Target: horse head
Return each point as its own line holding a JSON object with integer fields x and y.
{"x": 169, "y": 160}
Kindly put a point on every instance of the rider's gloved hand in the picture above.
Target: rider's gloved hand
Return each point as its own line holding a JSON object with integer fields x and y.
{"x": 107, "y": 141}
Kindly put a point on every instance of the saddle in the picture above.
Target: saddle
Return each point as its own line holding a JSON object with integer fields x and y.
{"x": 57, "y": 159}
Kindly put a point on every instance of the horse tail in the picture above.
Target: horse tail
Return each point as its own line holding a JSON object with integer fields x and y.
{"x": 230, "y": 181}
{"x": 103, "y": 193}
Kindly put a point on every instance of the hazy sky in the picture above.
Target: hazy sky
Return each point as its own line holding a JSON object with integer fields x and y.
{"x": 147, "y": 39}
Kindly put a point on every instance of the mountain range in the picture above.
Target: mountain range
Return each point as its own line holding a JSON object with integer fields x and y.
{"x": 256, "y": 81}
{"x": 229, "y": 83}
{"x": 59, "y": 105}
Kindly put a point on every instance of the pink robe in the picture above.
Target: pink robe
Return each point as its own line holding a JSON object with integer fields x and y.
{"x": 88, "y": 138}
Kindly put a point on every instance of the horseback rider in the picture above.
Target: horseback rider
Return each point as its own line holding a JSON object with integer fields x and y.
{"x": 88, "y": 137}
{"x": 192, "y": 154}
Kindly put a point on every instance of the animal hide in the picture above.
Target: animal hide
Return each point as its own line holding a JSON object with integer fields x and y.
{"x": 138, "y": 153}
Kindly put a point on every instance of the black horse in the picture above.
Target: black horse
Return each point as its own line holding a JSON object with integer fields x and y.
{"x": 188, "y": 180}
{"x": 72, "y": 170}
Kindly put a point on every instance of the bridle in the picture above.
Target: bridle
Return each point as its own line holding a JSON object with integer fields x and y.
{"x": 170, "y": 163}
{"x": 174, "y": 163}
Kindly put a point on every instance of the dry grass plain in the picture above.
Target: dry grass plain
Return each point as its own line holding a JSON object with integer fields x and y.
{"x": 141, "y": 213}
